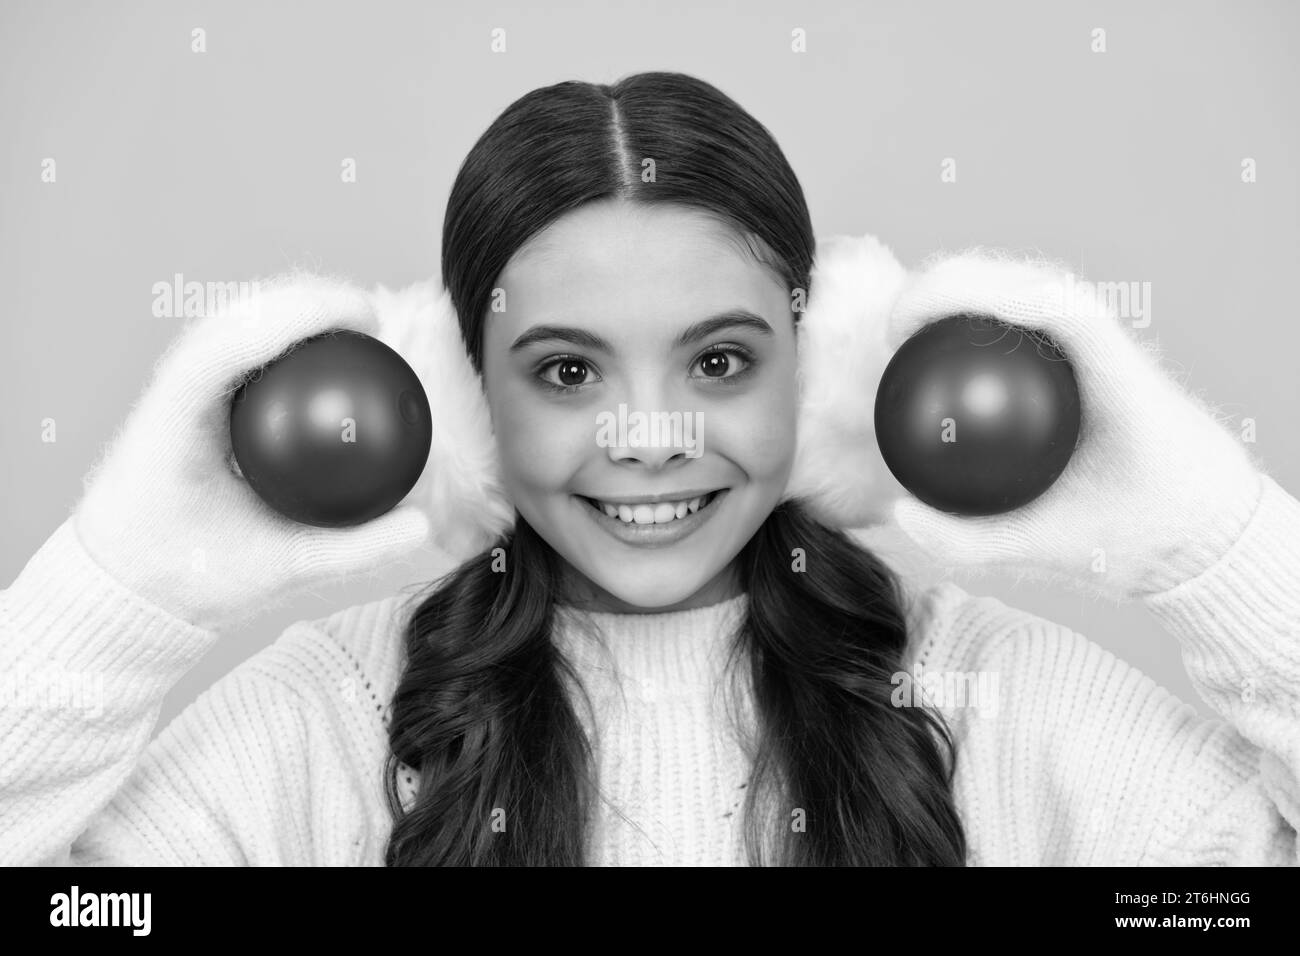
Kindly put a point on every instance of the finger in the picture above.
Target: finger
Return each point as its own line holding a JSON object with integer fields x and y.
{"x": 1034, "y": 297}
{"x": 200, "y": 373}
{"x": 1028, "y": 294}
{"x": 956, "y": 540}
{"x": 972, "y": 282}
{"x": 321, "y": 554}
{"x": 213, "y": 355}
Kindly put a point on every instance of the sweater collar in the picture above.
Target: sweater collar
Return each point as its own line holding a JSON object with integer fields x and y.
{"x": 662, "y": 650}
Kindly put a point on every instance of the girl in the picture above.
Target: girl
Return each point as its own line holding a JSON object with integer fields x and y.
{"x": 654, "y": 654}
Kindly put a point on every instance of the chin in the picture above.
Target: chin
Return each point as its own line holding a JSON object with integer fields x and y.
{"x": 641, "y": 595}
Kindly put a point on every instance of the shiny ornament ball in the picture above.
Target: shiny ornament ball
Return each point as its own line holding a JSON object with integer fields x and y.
{"x": 333, "y": 433}
{"x": 976, "y": 417}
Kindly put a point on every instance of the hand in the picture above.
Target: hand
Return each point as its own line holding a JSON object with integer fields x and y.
{"x": 165, "y": 511}
{"x": 1156, "y": 491}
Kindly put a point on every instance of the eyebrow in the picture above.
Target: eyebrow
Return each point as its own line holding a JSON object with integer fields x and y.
{"x": 733, "y": 318}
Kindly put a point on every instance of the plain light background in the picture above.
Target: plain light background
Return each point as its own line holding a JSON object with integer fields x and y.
{"x": 225, "y": 166}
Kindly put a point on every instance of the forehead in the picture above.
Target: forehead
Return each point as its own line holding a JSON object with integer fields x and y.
{"x": 618, "y": 260}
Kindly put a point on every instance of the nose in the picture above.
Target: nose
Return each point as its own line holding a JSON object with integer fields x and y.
{"x": 651, "y": 457}
{"x": 656, "y": 440}
{"x": 650, "y": 434}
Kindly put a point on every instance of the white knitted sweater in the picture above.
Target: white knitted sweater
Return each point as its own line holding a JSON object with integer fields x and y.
{"x": 1079, "y": 759}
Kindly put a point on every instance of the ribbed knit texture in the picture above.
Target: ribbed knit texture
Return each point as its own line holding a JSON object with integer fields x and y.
{"x": 1082, "y": 761}
{"x": 673, "y": 768}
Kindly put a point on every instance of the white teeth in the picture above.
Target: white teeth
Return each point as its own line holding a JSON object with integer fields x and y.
{"x": 660, "y": 513}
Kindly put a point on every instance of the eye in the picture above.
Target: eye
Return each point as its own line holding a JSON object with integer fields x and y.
{"x": 570, "y": 370}
{"x": 718, "y": 362}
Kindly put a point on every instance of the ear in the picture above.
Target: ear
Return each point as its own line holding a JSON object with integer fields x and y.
{"x": 461, "y": 488}
{"x": 843, "y": 351}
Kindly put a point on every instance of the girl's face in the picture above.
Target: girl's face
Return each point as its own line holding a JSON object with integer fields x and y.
{"x": 639, "y": 351}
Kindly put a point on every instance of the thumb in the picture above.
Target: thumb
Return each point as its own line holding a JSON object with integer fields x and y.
{"x": 965, "y": 541}
{"x": 324, "y": 553}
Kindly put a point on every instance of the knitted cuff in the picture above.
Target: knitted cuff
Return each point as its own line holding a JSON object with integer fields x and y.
{"x": 1239, "y": 621}
{"x": 63, "y": 610}
{"x": 1211, "y": 531}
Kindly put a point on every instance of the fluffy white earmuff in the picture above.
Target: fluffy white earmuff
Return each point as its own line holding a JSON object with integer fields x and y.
{"x": 843, "y": 352}
{"x": 838, "y": 469}
{"x": 461, "y": 488}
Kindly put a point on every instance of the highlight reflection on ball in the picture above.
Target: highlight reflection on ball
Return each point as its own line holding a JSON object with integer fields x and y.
{"x": 334, "y": 433}
{"x": 976, "y": 417}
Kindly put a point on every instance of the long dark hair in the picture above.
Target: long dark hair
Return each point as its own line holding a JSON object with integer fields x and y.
{"x": 483, "y": 712}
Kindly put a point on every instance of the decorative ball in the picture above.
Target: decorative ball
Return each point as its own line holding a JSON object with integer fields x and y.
{"x": 976, "y": 417}
{"x": 335, "y": 432}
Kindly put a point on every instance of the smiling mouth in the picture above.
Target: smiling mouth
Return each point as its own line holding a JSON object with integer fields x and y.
{"x": 662, "y": 513}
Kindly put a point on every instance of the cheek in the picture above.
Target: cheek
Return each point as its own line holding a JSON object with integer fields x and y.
{"x": 539, "y": 445}
{"x": 762, "y": 433}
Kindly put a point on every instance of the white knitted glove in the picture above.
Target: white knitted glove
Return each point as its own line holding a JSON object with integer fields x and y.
{"x": 1157, "y": 489}
{"x": 165, "y": 510}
